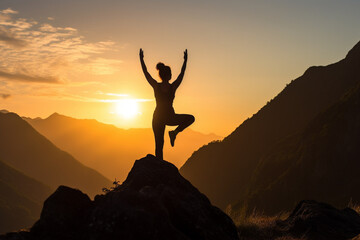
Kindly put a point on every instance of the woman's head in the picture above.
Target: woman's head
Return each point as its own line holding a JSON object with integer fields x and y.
{"x": 164, "y": 72}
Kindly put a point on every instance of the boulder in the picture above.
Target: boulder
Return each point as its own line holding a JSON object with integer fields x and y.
{"x": 65, "y": 214}
{"x": 315, "y": 220}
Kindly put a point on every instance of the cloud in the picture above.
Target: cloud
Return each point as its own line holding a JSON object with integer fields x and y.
{"x": 47, "y": 28}
{"x": 118, "y": 97}
{"x": 10, "y": 39}
{"x": 60, "y": 95}
{"x": 9, "y": 11}
{"x": 84, "y": 96}
{"x": 4, "y": 95}
{"x": 115, "y": 94}
{"x": 29, "y": 78}
{"x": 18, "y": 24}
{"x": 35, "y": 52}
{"x": 102, "y": 66}
{"x": 121, "y": 100}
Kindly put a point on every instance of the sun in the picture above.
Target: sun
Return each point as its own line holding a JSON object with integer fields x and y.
{"x": 127, "y": 108}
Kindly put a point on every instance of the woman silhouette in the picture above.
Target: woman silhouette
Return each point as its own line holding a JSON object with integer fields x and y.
{"x": 164, "y": 113}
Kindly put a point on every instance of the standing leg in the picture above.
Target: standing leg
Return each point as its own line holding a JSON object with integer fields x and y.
{"x": 158, "y": 129}
{"x": 183, "y": 120}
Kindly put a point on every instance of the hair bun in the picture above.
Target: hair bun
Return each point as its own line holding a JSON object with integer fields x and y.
{"x": 160, "y": 65}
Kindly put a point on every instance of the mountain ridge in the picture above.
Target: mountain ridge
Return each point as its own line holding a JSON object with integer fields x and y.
{"x": 232, "y": 161}
{"x": 321, "y": 163}
{"x": 109, "y": 149}
{"x": 41, "y": 159}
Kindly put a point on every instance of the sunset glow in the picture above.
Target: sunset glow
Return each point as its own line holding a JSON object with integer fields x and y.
{"x": 127, "y": 108}
{"x": 174, "y": 119}
{"x": 241, "y": 54}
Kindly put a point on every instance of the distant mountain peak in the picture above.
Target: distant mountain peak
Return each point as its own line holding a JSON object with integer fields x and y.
{"x": 354, "y": 53}
{"x": 58, "y": 116}
{"x": 4, "y": 111}
{"x": 55, "y": 114}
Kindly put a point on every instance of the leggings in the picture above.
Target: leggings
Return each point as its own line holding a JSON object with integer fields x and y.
{"x": 158, "y": 124}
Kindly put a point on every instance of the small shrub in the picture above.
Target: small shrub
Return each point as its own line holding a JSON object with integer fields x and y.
{"x": 116, "y": 184}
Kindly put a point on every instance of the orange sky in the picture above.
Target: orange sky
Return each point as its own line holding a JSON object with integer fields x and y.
{"x": 79, "y": 58}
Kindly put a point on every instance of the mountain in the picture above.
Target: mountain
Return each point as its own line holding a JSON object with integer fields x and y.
{"x": 320, "y": 163}
{"x": 154, "y": 202}
{"x": 21, "y": 199}
{"x": 223, "y": 170}
{"x": 109, "y": 149}
{"x": 23, "y": 148}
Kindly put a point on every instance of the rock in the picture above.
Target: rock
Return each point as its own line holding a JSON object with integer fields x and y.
{"x": 154, "y": 202}
{"x": 64, "y": 215}
{"x": 314, "y": 220}
{"x": 20, "y": 235}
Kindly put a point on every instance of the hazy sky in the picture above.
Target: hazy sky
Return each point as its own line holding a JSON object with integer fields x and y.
{"x": 80, "y": 57}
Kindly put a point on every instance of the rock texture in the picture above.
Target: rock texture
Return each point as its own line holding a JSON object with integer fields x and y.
{"x": 320, "y": 221}
{"x": 154, "y": 202}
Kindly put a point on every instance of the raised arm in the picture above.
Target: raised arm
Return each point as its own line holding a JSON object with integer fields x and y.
{"x": 146, "y": 73}
{"x": 179, "y": 79}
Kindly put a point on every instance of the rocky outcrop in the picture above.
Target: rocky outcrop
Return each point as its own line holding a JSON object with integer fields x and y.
{"x": 321, "y": 221}
{"x": 154, "y": 202}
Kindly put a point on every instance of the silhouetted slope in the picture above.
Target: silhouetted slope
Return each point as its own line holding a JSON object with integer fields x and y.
{"x": 21, "y": 199}
{"x": 223, "y": 170}
{"x": 321, "y": 163}
{"x": 111, "y": 150}
{"x": 155, "y": 202}
{"x": 26, "y": 150}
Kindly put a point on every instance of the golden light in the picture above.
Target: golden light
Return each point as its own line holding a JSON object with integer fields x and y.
{"x": 127, "y": 108}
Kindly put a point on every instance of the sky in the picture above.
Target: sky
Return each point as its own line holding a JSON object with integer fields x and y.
{"x": 80, "y": 57}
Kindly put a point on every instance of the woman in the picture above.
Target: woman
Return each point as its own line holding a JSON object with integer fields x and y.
{"x": 164, "y": 113}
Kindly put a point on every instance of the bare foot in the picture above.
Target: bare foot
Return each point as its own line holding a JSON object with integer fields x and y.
{"x": 172, "y": 135}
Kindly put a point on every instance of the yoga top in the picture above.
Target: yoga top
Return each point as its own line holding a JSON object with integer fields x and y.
{"x": 164, "y": 98}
